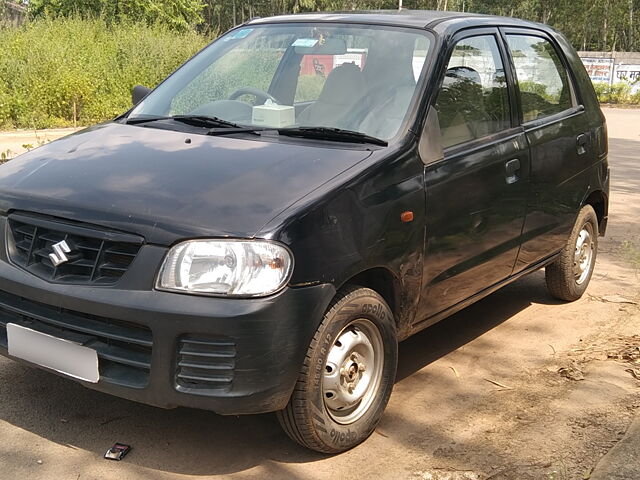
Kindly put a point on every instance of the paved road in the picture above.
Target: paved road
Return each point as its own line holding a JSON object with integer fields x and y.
{"x": 445, "y": 418}
{"x": 623, "y": 461}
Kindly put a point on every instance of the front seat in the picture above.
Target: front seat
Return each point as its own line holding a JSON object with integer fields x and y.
{"x": 342, "y": 90}
{"x": 389, "y": 76}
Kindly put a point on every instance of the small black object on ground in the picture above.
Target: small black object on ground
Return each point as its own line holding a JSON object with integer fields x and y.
{"x": 117, "y": 452}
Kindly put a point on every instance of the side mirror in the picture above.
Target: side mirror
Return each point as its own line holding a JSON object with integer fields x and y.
{"x": 138, "y": 93}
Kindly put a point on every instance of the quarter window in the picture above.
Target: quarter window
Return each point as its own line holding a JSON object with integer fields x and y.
{"x": 543, "y": 80}
{"x": 473, "y": 101}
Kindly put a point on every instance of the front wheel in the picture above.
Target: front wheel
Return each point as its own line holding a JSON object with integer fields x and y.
{"x": 347, "y": 376}
{"x": 567, "y": 277}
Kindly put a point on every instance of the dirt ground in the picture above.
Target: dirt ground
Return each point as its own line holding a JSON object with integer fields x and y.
{"x": 16, "y": 142}
{"x": 517, "y": 386}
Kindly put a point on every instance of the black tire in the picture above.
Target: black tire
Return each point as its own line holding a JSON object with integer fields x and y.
{"x": 307, "y": 419}
{"x": 564, "y": 280}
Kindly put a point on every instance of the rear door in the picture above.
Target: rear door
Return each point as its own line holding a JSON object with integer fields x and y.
{"x": 557, "y": 130}
{"x": 476, "y": 194}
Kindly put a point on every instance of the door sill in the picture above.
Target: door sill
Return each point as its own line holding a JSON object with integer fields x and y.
{"x": 427, "y": 322}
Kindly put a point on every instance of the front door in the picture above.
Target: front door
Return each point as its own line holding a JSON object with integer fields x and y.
{"x": 476, "y": 194}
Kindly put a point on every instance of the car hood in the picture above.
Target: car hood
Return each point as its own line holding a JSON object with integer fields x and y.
{"x": 167, "y": 185}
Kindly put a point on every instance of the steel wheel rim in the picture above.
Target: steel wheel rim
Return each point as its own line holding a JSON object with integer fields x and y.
{"x": 353, "y": 371}
{"x": 583, "y": 255}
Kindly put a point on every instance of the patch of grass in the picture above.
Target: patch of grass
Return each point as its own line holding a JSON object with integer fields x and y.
{"x": 631, "y": 252}
{"x": 559, "y": 473}
{"x": 57, "y": 72}
{"x": 6, "y": 156}
{"x": 235, "y": 69}
{"x": 309, "y": 88}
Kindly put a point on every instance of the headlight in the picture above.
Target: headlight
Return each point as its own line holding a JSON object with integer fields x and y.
{"x": 248, "y": 268}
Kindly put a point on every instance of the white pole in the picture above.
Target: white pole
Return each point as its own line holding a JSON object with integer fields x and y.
{"x": 399, "y": 4}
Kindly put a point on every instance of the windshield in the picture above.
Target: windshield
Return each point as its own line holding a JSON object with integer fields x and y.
{"x": 360, "y": 78}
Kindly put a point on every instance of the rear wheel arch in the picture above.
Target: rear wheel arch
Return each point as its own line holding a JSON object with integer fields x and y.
{"x": 599, "y": 201}
{"x": 568, "y": 276}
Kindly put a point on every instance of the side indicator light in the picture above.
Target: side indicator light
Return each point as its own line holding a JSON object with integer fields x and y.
{"x": 407, "y": 216}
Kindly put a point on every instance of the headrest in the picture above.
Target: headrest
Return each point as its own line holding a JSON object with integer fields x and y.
{"x": 343, "y": 85}
{"x": 465, "y": 74}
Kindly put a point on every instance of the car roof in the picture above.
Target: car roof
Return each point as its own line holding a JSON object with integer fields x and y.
{"x": 447, "y": 20}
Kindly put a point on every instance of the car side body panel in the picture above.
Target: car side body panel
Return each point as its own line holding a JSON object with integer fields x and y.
{"x": 336, "y": 235}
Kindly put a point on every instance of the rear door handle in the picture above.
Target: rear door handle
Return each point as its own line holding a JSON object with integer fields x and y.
{"x": 581, "y": 143}
{"x": 512, "y": 167}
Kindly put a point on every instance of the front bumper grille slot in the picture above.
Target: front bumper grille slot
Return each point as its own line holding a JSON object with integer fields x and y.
{"x": 124, "y": 349}
{"x": 97, "y": 257}
{"x": 205, "y": 364}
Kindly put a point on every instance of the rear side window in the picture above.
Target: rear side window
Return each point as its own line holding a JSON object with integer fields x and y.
{"x": 542, "y": 78}
{"x": 473, "y": 101}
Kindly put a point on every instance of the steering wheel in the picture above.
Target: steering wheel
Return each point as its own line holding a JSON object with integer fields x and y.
{"x": 259, "y": 94}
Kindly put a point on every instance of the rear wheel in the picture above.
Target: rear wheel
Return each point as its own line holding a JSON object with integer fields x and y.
{"x": 568, "y": 277}
{"x": 347, "y": 376}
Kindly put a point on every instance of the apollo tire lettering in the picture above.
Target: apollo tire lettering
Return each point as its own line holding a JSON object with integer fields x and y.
{"x": 374, "y": 309}
{"x": 342, "y": 436}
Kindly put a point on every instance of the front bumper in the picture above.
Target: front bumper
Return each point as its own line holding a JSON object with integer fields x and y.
{"x": 231, "y": 356}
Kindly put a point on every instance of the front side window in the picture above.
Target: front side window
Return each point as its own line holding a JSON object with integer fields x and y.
{"x": 542, "y": 79}
{"x": 360, "y": 78}
{"x": 473, "y": 101}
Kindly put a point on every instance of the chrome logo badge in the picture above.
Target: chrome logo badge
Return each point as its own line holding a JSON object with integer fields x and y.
{"x": 59, "y": 255}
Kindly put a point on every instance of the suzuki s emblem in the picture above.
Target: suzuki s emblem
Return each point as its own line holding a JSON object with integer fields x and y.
{"x": 59, "y": 255}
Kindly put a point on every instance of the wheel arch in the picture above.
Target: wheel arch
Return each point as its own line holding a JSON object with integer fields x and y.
{"x": 382, "y": 281}
{"x": 599, "y": 201}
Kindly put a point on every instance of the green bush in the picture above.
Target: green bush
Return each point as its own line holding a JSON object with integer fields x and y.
{"x": 536, "y": 88}
{"x": 309, "y": 88}
{"x": 175, "y": 14}
{"x": 51, "y": 68}
{"x": 617, "y": 93}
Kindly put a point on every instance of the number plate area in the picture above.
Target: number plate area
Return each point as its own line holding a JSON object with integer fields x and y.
{"x": 51, "y": 352}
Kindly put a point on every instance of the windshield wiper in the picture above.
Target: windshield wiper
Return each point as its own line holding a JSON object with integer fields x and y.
{"x": 230, "y": 130}
{"x": 139, "y": 120}
{"x": 330, "y": 133}
{"x": 218, "y": 126}
{"x": 195, "y": 120}
{"x": 205, "y": 121}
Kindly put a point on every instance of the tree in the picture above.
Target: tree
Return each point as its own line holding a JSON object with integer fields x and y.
{"x": 589, "y": 24}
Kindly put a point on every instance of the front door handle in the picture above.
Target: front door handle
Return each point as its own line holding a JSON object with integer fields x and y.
{"x": 581, "y": 143}
{"x": 512, "y": 167}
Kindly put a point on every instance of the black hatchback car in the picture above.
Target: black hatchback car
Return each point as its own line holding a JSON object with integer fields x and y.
{"x": 260, "y": 231}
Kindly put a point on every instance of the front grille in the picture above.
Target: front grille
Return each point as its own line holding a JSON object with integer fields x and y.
{"x": 205, "y": 364}
{"x": 124, "y": 349}
{"x": 96, "y": 257}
